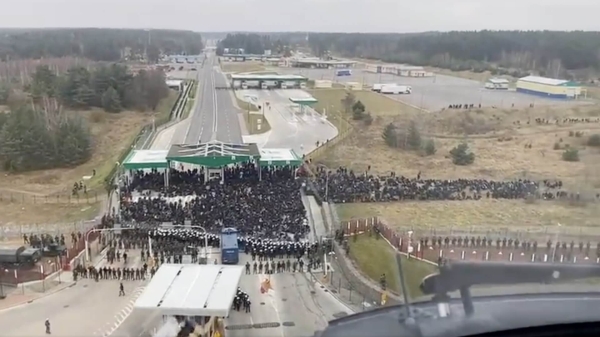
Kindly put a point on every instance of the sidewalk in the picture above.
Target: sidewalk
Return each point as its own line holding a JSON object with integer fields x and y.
{"x": 31, "y": 291}
{"x": 28, "y": 292}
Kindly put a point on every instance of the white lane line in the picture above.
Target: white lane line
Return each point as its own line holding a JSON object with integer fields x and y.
{"x": 124, "y": 313}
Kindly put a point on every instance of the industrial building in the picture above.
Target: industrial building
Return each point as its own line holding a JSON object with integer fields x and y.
{"x": 319, "y": 63}
{"x": 256, "y": 81}
{"x": 398, "y": 70}
{"x": 548, "y": 87}
{"x": 497, "y": 84}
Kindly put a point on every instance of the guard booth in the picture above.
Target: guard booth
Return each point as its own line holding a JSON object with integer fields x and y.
{"x": 193, "y": 297}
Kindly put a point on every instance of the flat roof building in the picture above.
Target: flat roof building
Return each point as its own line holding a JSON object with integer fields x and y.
{"x": 191, "y": 290}
{"x": 497, "y": 84}
{"x": 548, "y": 87}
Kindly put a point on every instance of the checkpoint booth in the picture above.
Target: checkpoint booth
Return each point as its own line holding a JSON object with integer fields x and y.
{"x": 196, "y": 297}
{"x": 300, "y": 104}
{"x": 213, "y": 157}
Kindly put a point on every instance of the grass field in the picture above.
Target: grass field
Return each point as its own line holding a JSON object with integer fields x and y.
{"x": 375, "y": 257}
{"x": 241, "y": 67}
{"x": 500, "y": 140}
{"x": 112, "y": 135}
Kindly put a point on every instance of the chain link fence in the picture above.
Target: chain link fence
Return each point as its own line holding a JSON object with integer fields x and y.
{"x": 25, "y": 198}
{"x": 12, "y": 232}
{"x": 538, "y": 233}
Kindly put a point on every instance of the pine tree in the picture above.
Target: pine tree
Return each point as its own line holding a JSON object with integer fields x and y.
{"x": 111, "y": 101}
{"x": 389, "y": 136}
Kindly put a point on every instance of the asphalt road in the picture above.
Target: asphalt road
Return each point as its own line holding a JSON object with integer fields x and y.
{"x": 435, "y": 93}
{"x": 297, "y": 306}
{"x": 215, "y": 116}
{"x": 88, "y": 308}
{"x": 290, "y": 128}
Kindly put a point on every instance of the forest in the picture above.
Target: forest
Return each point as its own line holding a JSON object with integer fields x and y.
{"x": 109, "y": 45}
{"x": 546, "y": 53}
{"x": 255, "y": 43}
{"x": 42, "y": 130}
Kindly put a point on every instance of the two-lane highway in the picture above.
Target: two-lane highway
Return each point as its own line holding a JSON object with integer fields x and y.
{"x": 215, "y": 116}
{"x": 202, "y": 124}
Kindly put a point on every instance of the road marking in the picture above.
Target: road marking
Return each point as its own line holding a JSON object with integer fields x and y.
{"x": 121, "y": 316}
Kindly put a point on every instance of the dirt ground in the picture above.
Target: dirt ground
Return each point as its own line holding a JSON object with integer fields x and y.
{"x": 500, "y": 140}
{"x": 241, "y": 67}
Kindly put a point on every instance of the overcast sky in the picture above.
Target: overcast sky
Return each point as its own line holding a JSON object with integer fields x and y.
{"x": 305, "y": 15}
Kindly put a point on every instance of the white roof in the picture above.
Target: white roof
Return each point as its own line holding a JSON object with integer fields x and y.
{"x": 147, "y": 157}
{"x": 498, "y": 80}
{"x": 266, "y": 77}
{"x": 173, "y": 83}
{"x": 543, "y": 80}
{"x": 191, "y": 290}
{"x": 279, "y": 155}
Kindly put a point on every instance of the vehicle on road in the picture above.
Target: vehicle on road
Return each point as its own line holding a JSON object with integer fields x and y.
{"x": 343, "y": 72}
{"x": 230, "y": 252}
{"x": 377, "y": 86}
{"x": 396, "y": 89}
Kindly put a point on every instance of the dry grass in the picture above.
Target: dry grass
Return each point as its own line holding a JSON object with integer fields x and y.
{"x": 485, "y": 213}
{"x": 42, "y": 213}
{"x": 241, "y": 67}
{"x": 497, "y": 137}
{"x": 112, "y": 134}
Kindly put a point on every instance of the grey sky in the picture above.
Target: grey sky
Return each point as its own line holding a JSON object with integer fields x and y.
{"x": 305, "y": 15}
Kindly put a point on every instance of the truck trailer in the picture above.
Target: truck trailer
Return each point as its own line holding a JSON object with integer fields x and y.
{"x": 377, "y": 86}
{"x": 396, "y": 89}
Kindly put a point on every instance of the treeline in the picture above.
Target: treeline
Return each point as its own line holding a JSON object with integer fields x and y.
{"x": 111, "y": 88}
{"x": 548, "y": 53}
{"x": 42, "y": 138}
{"x": 255, "y": 44}
{"x": 97, "y": 44}
{"x": 38, "y": 134}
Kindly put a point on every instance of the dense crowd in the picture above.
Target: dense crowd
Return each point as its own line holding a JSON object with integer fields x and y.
{"x": 269, "y": 207}
{"x": 344, "y": 186}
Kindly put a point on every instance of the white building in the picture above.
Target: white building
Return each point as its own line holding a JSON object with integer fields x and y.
{"x": 497, "y": 84}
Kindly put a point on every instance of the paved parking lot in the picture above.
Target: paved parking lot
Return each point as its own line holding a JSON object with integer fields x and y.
{"x": 434, "y": 93}
{"x": 290, "y": 128}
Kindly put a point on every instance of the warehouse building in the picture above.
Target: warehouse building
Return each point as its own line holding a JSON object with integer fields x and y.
{"x": 548, "y": 87}
{"x": 398, "y": 70}
{"x": 497, "y": 84}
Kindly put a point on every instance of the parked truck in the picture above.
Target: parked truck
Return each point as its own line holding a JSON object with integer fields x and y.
{"x": 377, "y": 86}
{"x": 396, "y": 89}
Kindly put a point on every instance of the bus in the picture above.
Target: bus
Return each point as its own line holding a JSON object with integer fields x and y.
{"x": 230, "y": 252}
{"x": 343, "y": 72}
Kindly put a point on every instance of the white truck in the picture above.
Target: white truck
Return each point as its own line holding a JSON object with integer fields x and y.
{"x": 377, "y": 86}
{"x": 396, "y": 89}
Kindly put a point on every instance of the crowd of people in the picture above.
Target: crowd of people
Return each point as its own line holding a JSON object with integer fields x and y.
{"x": 346, "y": 186}
{"x": 268, "y": 207}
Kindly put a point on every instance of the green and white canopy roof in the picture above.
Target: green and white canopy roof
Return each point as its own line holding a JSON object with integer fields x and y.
{"x": 146, "y": 159}
{"x": 213, "y": 154}
{"x": 279, "y": 157}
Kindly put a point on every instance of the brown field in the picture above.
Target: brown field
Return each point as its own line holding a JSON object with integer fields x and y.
{"x": 497, "y": 137}
{"x": 241, "y": 67}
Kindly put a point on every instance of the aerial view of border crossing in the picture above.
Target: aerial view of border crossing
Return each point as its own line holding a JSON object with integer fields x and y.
{"x": 207, "y": 182}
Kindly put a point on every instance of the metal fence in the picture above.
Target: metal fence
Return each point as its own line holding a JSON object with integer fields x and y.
{"x": 24, "y": 198}
{"x": 12, "y": 232}
{"x": 539, "y": 233}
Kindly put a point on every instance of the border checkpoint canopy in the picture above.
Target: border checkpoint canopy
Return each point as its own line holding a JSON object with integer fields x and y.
{"x": 213, "y": 154}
